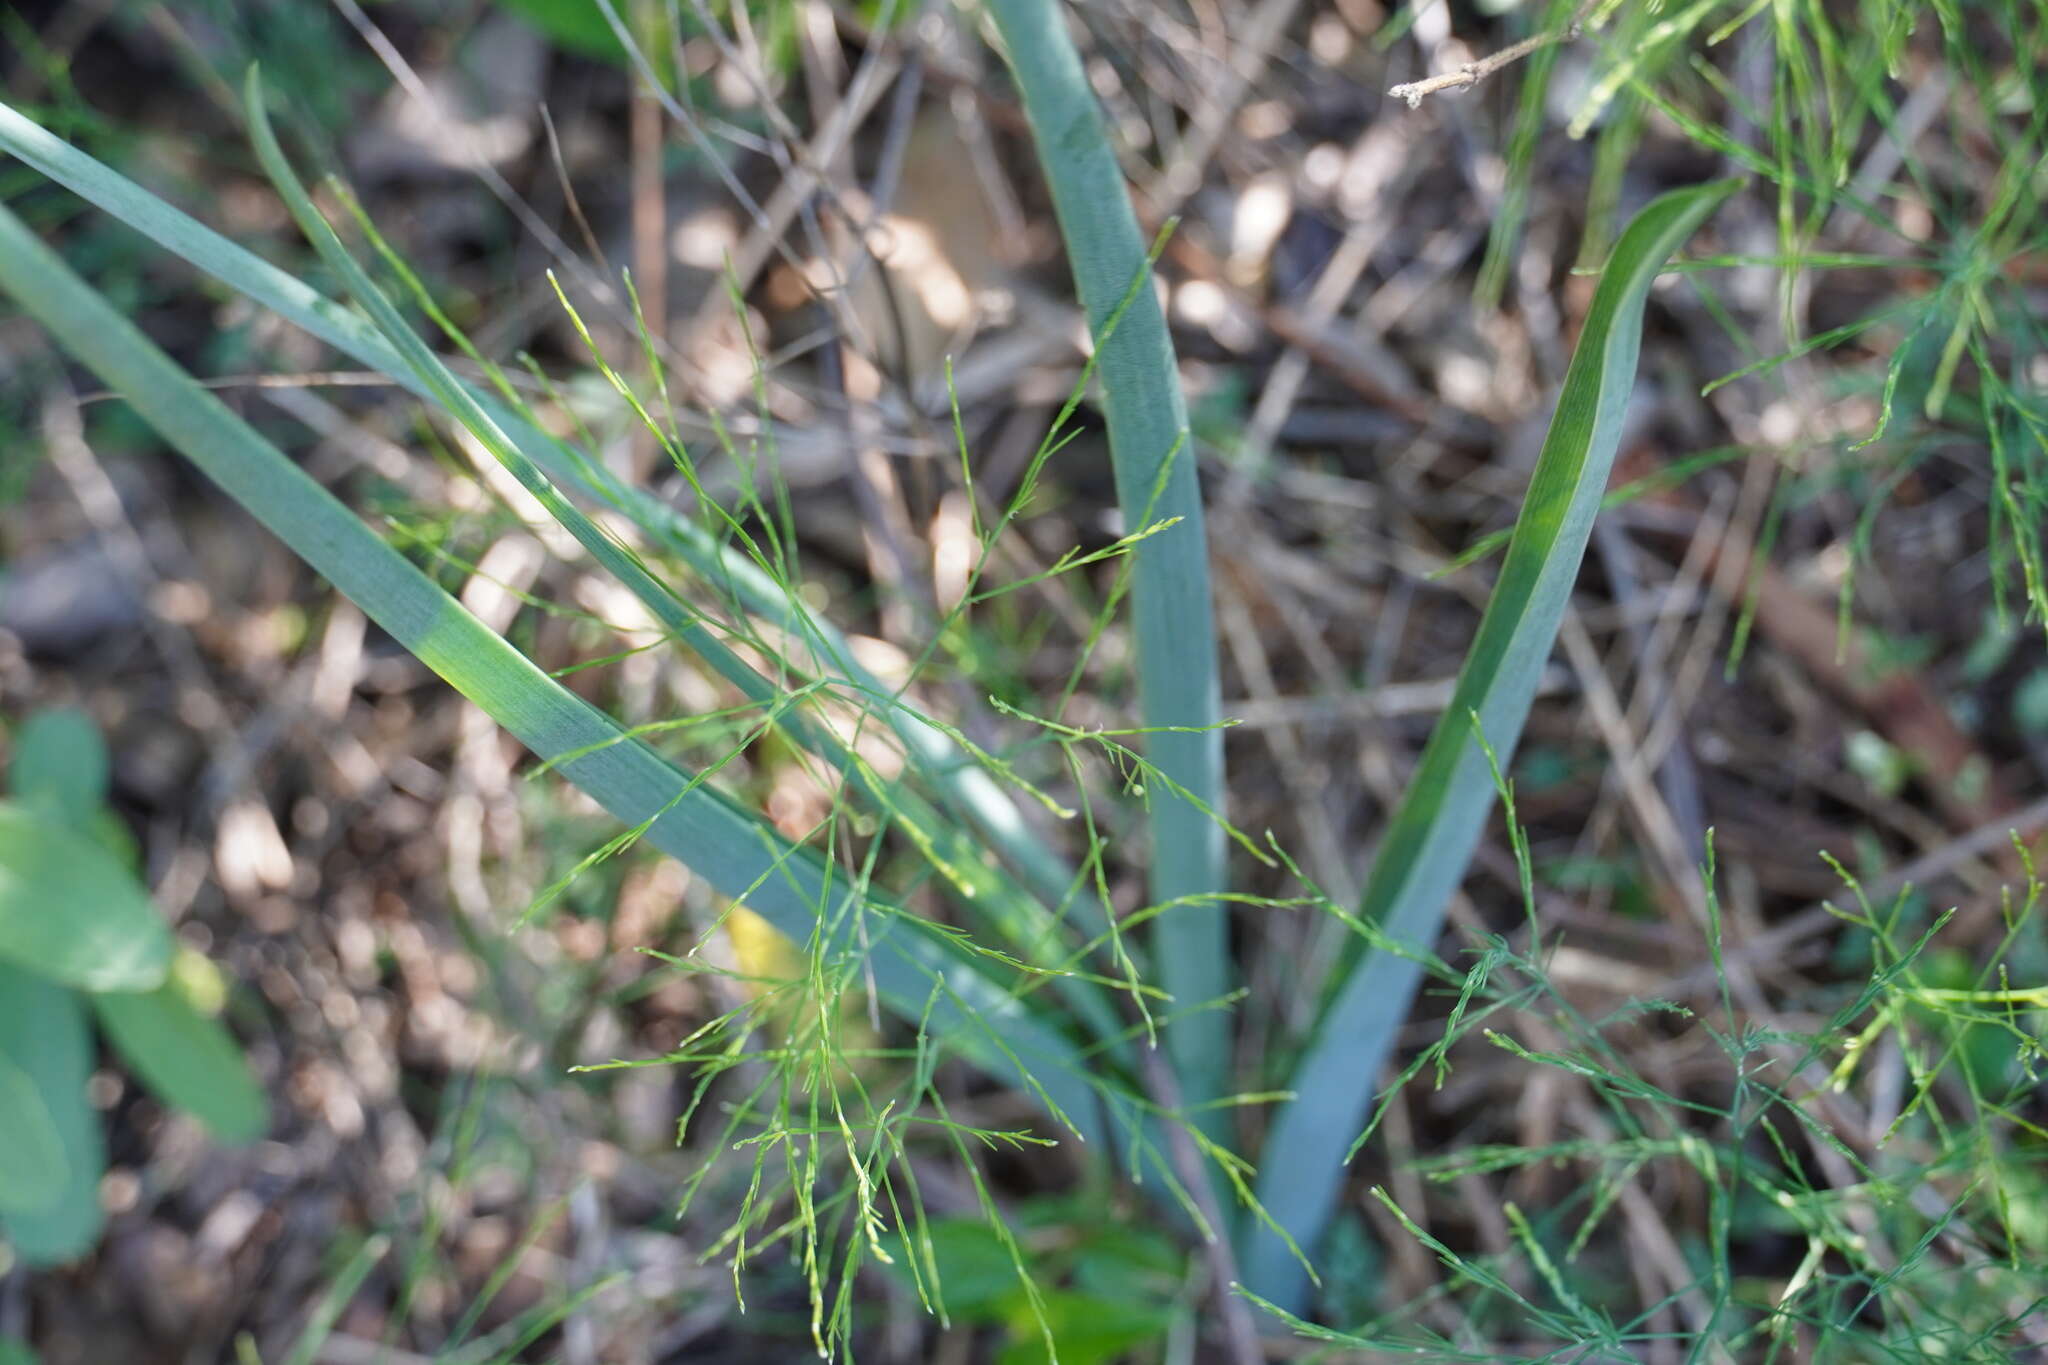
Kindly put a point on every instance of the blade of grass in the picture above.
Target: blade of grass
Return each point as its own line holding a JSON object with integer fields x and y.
{"x": 963, "y": 783}
{"x": 1146, "y": 413}
{"x": 328, "y": 1308}
{"x": 1434, "y": 832}
{"x": 916, "y": 973}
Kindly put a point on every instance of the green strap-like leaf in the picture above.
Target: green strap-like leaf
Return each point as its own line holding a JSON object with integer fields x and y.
{"x": 1155, "y": 480}
{"x": 916, "y": 973}
{"x": 335, "y": 1299}
{"x": 43, "y": 1035}
{"x": 70, "y": 911}
{"x": 1433, "y": 833}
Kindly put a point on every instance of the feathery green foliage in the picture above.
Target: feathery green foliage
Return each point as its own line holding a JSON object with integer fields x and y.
{"x": 1039, "y": 988}
{"x": 853, "y": 937}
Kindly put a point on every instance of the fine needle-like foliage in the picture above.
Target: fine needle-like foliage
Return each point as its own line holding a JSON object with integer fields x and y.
{"x": 968, "y": 999}
{"x": 724, "y": 568}
{"x": 922, "y": 976}
{"x": 918, "y": 973}
{"x": 926, "y": 918}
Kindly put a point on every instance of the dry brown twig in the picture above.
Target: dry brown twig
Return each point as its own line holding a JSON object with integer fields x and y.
{"x": 1471, "y": 73}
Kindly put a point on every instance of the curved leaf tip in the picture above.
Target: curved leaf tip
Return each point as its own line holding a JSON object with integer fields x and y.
{"x": 1437, "y": 827}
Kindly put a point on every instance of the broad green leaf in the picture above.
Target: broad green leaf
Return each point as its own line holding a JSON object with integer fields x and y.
{"x": 71, "y": 912}
{"x": 966, "y": 786}
{"x": 16, "y": 1353}
{"x": 1087, "y": 1329}
{"x": 60, "y": 766}
{"x": 1441, "y": 817}
{"x": 43, "y": 1033}
{"x": 32, "y": 1165}
{"x": 977, "y": 1276}
{"x": 1131, "y": 1261}
{"x": 578, "y": 25}
{"x": 328, "y": 1308}
{"x": 916, "y": 970}
{"x": 1154, "y": 463}
{"x": 184, "y": 1054}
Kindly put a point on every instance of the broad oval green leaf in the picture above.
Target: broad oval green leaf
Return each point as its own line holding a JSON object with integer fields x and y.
{"x": 32, "y": 1165}
{"x": 184, "y": 1054}
{"x": 1432, "y": 836}
{"x": 70, "y": 911}
{"x": 1085, "y": 1329}
{"x": 579, "y": 26}
{"x": 16, "y": 1353}
{"x": 60, "y": 765}
{"x": 44, "y": 1034}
